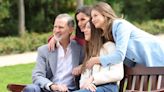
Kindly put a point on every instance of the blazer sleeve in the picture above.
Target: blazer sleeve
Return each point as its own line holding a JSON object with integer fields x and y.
{"x": 121, "y": 32}
{"x": 39, "y": 72}
{"x": 82, "y": 55}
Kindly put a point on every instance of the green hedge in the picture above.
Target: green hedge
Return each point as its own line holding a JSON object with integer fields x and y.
{"x": 29, "y": 42}
{"x": 152, "y": 26}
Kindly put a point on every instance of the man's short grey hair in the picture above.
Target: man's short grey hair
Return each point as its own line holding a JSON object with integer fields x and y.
{"x": 70, "y": 20}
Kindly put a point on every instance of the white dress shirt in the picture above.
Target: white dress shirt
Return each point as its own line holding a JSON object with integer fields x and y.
{"x": 64, "y": 67}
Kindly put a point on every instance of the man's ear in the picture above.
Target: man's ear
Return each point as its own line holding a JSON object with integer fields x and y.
{"x": 71, "y": 30}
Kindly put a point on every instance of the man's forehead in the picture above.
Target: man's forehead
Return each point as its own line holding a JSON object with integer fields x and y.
{"x": 60, "y": 21}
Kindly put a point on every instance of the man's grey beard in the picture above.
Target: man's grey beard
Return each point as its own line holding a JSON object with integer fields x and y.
{"x": 58, "y": 37}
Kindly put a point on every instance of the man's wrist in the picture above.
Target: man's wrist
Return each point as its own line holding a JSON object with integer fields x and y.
{"x": 53, "y": 87}
{"x": 48, "y": 86}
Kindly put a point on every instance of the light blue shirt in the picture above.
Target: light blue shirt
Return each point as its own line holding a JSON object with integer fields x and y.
{"x": 135, "y": 44}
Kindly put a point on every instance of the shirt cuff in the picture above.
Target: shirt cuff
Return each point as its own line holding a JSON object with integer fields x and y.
{"x": 48, "y": 86}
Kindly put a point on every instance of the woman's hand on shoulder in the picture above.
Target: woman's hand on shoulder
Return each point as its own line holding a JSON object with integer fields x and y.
{"x": 51, "y": 44}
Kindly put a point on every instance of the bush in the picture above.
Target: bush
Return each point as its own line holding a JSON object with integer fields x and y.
{"x": 152, "y": 26}
{"x": 141, "y": 10}
{"x": 29, "y": 42}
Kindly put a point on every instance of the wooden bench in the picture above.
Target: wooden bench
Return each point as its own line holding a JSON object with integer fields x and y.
{"x": 136, "y": 79}
{"x": 142, "y": 79}
{"x": 15, "y": 87}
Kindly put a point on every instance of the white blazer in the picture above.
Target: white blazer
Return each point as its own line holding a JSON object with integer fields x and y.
{"x": 107, "y": 74}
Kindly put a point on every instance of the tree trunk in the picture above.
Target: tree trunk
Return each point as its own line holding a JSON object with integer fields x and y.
{"x": 79, "y": 3}
{"x": 21, "y": 25}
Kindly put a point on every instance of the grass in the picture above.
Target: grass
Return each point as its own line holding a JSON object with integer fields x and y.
{"x": 15, "y": 74}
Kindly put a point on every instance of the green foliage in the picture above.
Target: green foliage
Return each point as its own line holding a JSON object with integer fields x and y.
{"x": 40, "y": 14}
{"x": 4, "y": 5}
{"x": 8, "y": 18}
{"x": 29, "y": 42}
{"x": 89, "y": 2}
{"x": 141, "y": 10}
{"x": 152, "y": 26}
{"x": 20, "y": 74}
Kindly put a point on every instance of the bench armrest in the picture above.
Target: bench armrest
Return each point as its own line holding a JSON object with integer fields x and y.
{"x": 15, "y": 87}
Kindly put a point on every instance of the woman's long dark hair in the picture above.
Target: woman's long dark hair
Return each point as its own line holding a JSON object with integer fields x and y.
{"x": 87, "y": 11}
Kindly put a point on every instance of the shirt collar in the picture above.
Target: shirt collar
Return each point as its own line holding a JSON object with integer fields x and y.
{"x": 59, "y": 45}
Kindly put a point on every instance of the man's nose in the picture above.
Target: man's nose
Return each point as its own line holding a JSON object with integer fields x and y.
{"x": 56, "y": 30}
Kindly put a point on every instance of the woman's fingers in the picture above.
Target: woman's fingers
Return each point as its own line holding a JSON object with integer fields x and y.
{"x": 92, "y": 87}
{"x": 51, "y": 44}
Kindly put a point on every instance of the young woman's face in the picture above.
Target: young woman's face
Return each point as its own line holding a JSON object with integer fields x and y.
{"x": 97, "y": 18}
{"x": 82, "y": 19}
{"x": 87, "y": 32}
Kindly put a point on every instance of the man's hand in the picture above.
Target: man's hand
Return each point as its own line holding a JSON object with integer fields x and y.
{"x": 59, "y": 87}
{"x": 92, "y": 61}
{"x": 77, "y": 70}
{"x": 51, "y": 44}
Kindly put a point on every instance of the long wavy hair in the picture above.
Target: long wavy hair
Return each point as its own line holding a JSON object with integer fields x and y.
{"x": 93, "y": 46}
{"x": 87, "y": 11}
{"x": 106, "y": 10}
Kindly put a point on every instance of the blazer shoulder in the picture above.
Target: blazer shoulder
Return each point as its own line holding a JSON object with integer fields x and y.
{"x": 43, "y": 49}
{"x": 75, "y": 44}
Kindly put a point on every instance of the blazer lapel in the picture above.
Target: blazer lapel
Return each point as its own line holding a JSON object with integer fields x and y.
{"x": 53, "y": 61}
{"x": 75, "y": 54}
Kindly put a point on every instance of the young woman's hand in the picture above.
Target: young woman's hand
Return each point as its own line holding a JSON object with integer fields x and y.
{"x": 92, "y": 61}
{"x": 77, "y": 70}
{"x": 51, "y": 44}
{"x": 89, "y": 85}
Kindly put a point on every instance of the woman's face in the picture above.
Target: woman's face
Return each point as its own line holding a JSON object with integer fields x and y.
{"x": 97, "y": 18}
{"x": 82, "y": 19}
{"x": 87, "y": 31}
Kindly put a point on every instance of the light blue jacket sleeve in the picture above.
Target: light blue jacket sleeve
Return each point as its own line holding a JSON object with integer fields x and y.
{"x": 121, "y": 33}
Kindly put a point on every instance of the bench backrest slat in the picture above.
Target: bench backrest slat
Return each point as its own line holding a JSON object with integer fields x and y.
{"x": 142, "y": 79}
